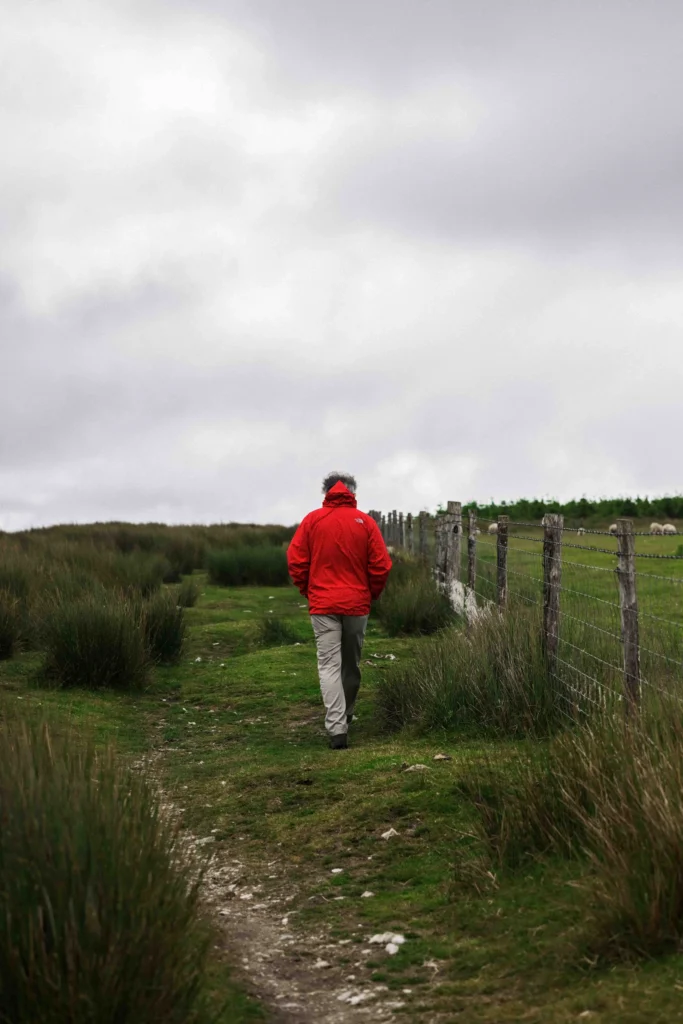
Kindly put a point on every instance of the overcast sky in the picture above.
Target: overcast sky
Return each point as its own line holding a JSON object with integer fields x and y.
{"x": 436, "y": 243}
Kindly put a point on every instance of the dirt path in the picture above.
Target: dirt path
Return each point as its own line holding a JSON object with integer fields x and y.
{"x": 301, "y": 977}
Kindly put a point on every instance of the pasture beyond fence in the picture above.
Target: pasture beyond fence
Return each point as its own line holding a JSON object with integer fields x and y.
{"x": 608, "y": 601}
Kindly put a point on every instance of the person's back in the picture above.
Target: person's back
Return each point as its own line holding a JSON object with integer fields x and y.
{"x": 339, "y": 562}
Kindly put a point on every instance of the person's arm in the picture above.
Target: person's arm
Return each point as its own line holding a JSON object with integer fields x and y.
{"x": 379, "y": 563}
{"x": 299, "y": 558}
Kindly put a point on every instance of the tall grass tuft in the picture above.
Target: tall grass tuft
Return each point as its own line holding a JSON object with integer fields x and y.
{"x": 10, "y": 624}
{"x": 96, "y": 641}
{"x": 188, "y": 593}
{"x": 16, "y": 575}
{"x": 610, "y": 793}
{"x": 412, "y": 603}
{"x": 248, "y": 566}
{"x": 163, "y": 621}
{"x": 274, "y": 632}
{"x": 99, "y": 907}
{"x": 491, "y": 679}
{"x": 137, "y": 573}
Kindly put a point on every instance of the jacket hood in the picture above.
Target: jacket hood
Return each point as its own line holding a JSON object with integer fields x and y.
{"x": 338, "y": 495}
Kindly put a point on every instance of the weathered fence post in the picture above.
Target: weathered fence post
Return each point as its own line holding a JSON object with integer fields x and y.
{"x": 552, "y": 578}
{"x": 502, "y": 561}
{"x": 394, "y": 527}
{"x": 401, "y": 531}
{"x": 422, "y": 538}
{"x": 438, "y": 560}
{"x": 472, "y": 551}
{"x": 441, "y": 549}
{"x": 452, "y": 555}
{"x": 383, "y": 528}
{"x": 628, "y": 603}
{"x": 454, "y": 549}
{"x": 409, "y": 534}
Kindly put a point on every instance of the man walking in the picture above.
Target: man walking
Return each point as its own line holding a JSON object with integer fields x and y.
{"x": 339, "y": 562}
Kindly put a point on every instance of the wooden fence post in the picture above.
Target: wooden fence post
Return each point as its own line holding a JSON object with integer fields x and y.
{"x": 394, "y": 527}
{"x": 454, "y": 539}
{"x": 628, "y": 603}
{"x": 401, "y": 531}
{"x": 383, "y": 528}
{"x": 472, "y": 551}
{"x": 422, "y": 539}
{"x": 440, "y": 549}
{"x": 502, "y": 561}
{"x": 552, "y": 579}
{"x": 409, "y": 534}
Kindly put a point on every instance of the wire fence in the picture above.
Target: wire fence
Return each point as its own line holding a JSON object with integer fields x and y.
{"x": 611, "y": 629}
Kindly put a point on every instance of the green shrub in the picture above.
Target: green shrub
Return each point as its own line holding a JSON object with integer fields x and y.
{"x": 491, "y": 679}
{"x": 99, "y": 908}
{"x": 10, "y": 624}
{"x": 609, "y": 792}
{"x": 274, "y": 632}
{"x": 188, "y": 593}
{"x": 163, "y": 621}
{"x": 412, "y": 603}
{"x": 248, "y": 566}
{"x": 95, "y": 641}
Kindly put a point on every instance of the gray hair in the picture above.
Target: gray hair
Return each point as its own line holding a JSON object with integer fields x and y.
{"x": 334, "y": 478}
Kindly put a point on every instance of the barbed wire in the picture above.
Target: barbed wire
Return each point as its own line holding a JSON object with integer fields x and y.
{"x": 601, "y": 551}
{"x": 648, "y": 554}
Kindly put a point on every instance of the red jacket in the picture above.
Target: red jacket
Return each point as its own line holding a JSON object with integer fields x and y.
{"x": 337, "y": 557}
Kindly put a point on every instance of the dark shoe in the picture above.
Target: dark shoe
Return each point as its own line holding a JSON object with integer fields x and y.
{"x": 339, "y": 742}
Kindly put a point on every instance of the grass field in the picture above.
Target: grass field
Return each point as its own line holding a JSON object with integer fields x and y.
{"x": 235, "y": 734}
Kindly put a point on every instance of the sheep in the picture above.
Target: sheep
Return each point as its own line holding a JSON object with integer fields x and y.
{"x": 657, "y": 528}
{"x": 613, "y": 529}
{"x": 493, "y": 528}
{"x": 669, "y": 529}
{"x": 581, "y": 530}
{"x": 477, "y": 531}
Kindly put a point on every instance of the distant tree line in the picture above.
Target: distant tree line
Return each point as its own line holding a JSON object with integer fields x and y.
{"x": 583, "y": 509}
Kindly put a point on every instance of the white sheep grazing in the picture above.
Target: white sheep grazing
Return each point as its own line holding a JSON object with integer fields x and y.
{"x": 493, "y": 528}
{"x": 613, "y": 529}
{"x": 477, "y": 531}
{"x": 581, "y": 530}
{"x": 669, "y": 528}
{"x": 656, "y": 528}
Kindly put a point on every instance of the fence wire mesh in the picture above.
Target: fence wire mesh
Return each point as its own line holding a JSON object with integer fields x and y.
{"x": 588, "y": 664}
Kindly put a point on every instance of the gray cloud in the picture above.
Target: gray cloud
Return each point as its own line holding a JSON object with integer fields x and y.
{"x": 436, "y": 243}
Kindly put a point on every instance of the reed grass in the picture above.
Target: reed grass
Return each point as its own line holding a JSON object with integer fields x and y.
{"x": 99, "y": 902}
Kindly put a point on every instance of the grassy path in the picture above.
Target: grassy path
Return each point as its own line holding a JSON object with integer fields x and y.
{"x": 297, "y": 831}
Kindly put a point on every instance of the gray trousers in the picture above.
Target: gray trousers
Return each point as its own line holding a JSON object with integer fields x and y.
{"x": 339, "y": 640}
